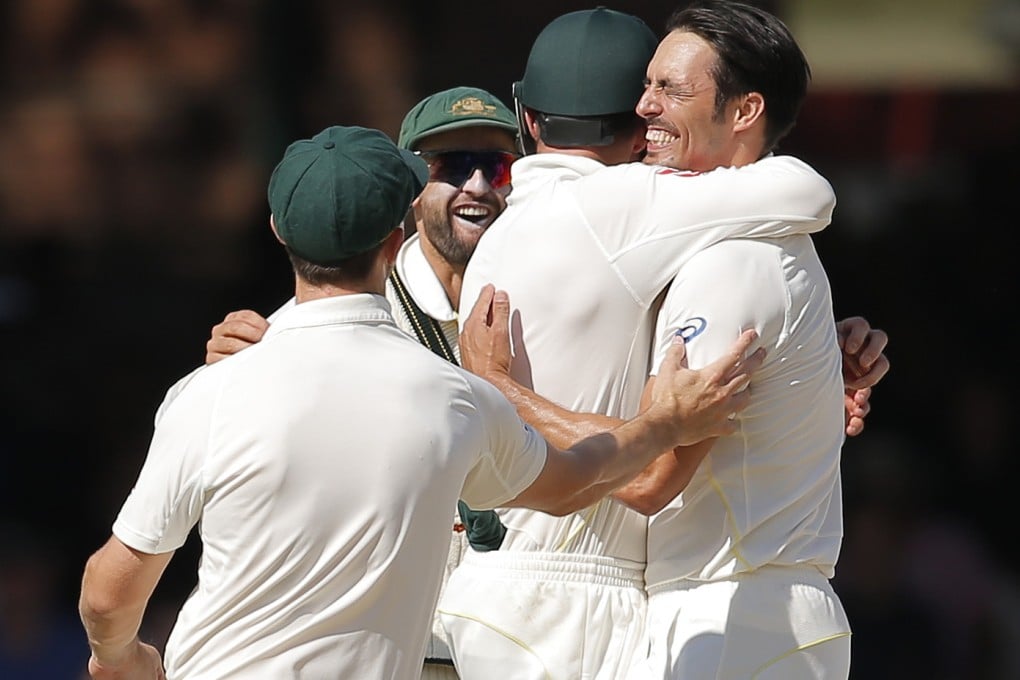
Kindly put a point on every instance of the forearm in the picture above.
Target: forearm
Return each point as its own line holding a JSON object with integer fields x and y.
{"x": 663, "y": 479}
{"x": 110, "y": 626}
{"x": 115, "y": 590}
{"x": 616, "y": 457}
{"x": 560, "y": 427}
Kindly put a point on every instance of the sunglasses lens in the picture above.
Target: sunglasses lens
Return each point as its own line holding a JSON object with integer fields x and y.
{"x": 455, "y": 167}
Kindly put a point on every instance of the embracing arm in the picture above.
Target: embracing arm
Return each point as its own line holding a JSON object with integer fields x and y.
{"x": 592, "y": 438}
{"x": 115, "y": 590}
{"x": 485, "y": 351}
{"x": 681, "y": 399}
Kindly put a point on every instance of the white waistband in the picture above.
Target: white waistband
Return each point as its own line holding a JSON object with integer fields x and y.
{"x": 548, "y": 566}
{"x": 802, "y": 573}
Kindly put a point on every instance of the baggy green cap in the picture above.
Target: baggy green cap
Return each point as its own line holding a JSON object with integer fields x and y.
{"x": 588, "y": 63}
{"x": 342, "y": 192}
{"x": 455, "y": 108}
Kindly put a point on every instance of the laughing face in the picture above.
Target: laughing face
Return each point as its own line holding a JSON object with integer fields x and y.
{"x": 456, "y": 211}
{"x": 685, "y": 129}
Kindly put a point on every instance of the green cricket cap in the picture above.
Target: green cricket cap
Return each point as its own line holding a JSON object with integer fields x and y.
{"x": 342, "y": 192}
{"x": 588, "y": 63}
{"x": 458, "y": 107}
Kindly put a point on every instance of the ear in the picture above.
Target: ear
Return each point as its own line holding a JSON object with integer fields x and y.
{"x": 272, "y": 225}
{"x": 639, "y": 142}
{"x": 532, "y": 123}
{"x": 750, "y": 111}
{"x": 391, "y": 246}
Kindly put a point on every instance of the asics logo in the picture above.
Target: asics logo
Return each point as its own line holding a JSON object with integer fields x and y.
{"x": 692, "y": 328}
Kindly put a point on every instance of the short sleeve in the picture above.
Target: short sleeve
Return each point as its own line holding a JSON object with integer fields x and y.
{"x": 513, "y": 452}
{"x": 167, "y": 499}
{"x": 723, "y": 290}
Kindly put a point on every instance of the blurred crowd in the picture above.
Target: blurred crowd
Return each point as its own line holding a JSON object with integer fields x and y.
{"x": 136, "y": 137}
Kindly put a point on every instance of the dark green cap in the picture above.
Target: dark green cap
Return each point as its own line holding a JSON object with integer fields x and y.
{"x": 588, "y": 63}
{"x": 342, "y": 192}
{"x": 457, "y": 107}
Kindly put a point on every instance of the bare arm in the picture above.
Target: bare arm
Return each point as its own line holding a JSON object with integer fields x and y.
{"x": 666, "y": 476}
{"x": 710, "y": 396}
{"x": 115, "y": 590}
{"x": 485, "y": 351}
{"x": 702, "y": 399}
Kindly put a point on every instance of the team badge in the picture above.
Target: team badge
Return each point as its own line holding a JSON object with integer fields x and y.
{"x": 472, "y": 106}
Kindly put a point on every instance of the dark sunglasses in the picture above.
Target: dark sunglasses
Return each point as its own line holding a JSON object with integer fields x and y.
{"x": 455, "y": 167}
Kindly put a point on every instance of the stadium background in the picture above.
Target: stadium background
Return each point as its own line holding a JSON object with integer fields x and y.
{"x": 136, "y": 138}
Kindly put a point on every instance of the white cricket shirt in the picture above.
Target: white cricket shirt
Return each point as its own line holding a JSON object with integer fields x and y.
{"x": 583, "y": 251}
{"x": 769, "y": 494}
{"x": 322, "y": 464}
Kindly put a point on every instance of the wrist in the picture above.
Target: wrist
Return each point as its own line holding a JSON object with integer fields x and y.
{"x": 111, "y": 655}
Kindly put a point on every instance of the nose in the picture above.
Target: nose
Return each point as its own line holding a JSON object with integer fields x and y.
{"x": 648, "y": 106}
{"x": 476, "y": 183}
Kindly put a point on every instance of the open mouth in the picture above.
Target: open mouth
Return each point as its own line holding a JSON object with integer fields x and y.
{"x": 659, "y": 139}
{"x": 478, "y": 215}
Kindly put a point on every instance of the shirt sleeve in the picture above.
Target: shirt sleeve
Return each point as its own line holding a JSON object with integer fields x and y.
{"x": 513, "y": 453}
{"x": 722, "y": 291}
{"x": 167, "y": 499}
{"x": 650, "y": 220}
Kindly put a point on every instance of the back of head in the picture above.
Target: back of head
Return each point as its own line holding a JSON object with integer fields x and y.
{"x": 342, "y": 192}
{"x": 757, "y": 53}
{"x": 585, "y": 74}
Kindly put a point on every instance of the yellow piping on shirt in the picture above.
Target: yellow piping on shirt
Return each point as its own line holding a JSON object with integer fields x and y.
{"x": 585, "y": 520}
{"x": 738, "y": 537}
{"x": 801, "y": 648}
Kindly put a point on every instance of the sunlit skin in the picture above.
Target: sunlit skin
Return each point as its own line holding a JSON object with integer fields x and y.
{"x": 451, "y": 219}
{"x": 684, "y": 129}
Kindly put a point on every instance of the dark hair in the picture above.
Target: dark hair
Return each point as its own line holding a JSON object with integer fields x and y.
{"x": 755, "y": 53}
{"x": 352, "y": 270}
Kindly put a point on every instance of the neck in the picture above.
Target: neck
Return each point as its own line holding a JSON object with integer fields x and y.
{"x": 306, "y": 292}
{"x": 450, "y": 275}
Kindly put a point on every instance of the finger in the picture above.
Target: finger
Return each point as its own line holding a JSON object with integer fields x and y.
{"x": 248, "y": 316}
{"x": 851, "y": 407}
{"x": 875, "y": 344}
{"x": 853, "y": 330}
{"x": 218, "y": 348}
{"x": 480, "y": 310}
{"x": 240, "y": 329}
{"x": 676, "y": 355}
{"x": 854, "y": 426}
{"x": 500, "y": 310}
{"x": 871, "y": 377}
{"x": 733, "y": 356}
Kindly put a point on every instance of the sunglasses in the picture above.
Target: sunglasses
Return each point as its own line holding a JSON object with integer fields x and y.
{"x": 455, "y": 167}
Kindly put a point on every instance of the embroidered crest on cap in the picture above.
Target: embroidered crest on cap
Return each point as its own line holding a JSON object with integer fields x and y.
{"x": 472, "y": 106}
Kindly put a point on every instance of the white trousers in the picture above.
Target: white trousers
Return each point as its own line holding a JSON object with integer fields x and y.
{"x": 544, "y": 616}
{"x": 776, "y": 623}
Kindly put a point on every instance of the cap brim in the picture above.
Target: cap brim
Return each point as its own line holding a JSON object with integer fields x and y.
{"x": 467, "y": 122}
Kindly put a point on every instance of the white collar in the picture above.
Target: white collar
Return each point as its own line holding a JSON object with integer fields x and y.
{"x": 339, "y": 309}
{"x": 421, "y": 281}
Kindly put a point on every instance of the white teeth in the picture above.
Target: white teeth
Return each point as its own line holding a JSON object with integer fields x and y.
{"x": 471, "y": 211}
{"x": 660, "y": 137}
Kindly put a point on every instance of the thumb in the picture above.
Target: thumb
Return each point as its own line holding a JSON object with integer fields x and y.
{"x": 677, "y": 353}
{"x": 500, "y": 309}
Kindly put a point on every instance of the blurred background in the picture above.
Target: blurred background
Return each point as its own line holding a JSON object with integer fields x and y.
{"x": 136, "y": 141}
